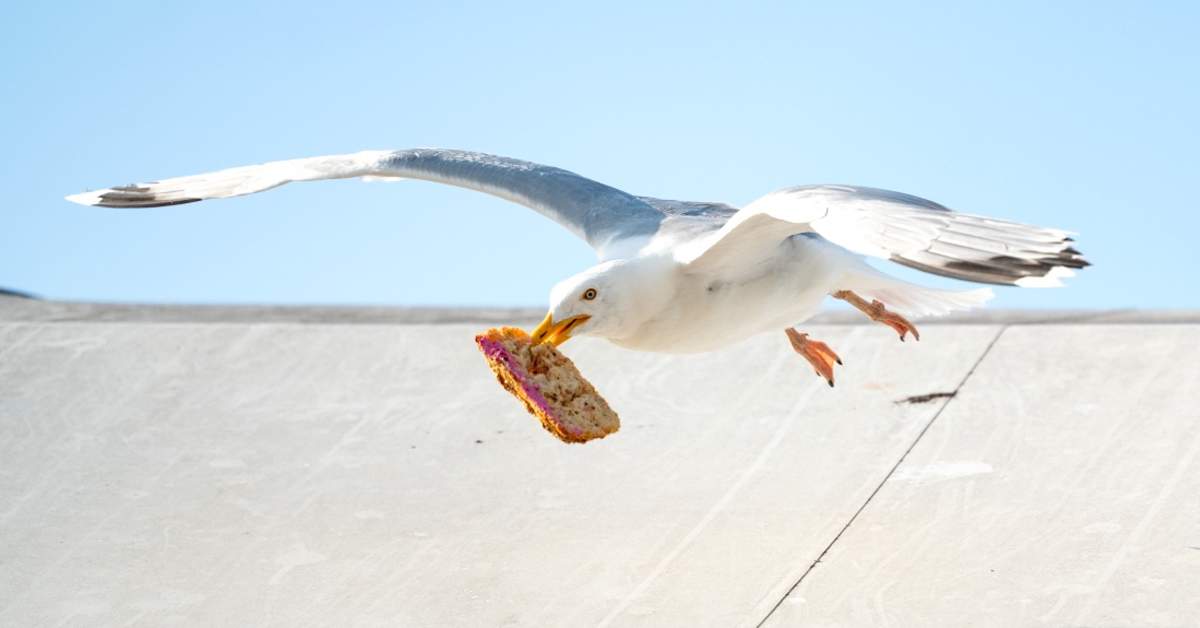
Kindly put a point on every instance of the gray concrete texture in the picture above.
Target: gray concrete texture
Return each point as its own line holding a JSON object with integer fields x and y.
{"x": 304, "y": 472}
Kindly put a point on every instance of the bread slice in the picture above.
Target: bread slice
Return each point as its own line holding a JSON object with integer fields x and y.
{"x": 548, "y": 383}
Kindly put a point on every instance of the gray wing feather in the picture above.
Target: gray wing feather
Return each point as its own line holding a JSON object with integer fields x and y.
{"x": 924, "y": 235}
{"x": 598, "y": 213}
{"x": 906, "y": 229}
{"x": 719, "y": 212}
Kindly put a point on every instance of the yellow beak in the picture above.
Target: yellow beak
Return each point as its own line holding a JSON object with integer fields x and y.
{"x": 556, "y": 333}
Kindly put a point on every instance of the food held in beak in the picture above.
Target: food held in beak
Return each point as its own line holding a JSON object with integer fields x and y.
{"x": 549, "y": 385}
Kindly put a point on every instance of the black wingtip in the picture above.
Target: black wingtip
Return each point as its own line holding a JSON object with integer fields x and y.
{"x": 136, "y": 196}
{"x": 107, "y": 202}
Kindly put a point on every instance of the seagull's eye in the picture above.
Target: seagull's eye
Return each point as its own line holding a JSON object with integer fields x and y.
{"x": 589, "y": 294}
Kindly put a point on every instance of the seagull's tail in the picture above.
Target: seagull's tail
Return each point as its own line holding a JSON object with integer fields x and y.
{"x": 911, "y": 299}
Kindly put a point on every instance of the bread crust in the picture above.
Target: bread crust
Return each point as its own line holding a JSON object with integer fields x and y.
{"x": 549, "y": 385}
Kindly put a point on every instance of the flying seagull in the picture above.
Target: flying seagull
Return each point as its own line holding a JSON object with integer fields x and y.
{"x": 681, "y": 276}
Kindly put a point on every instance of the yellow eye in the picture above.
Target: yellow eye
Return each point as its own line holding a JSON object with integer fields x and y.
{"x": 589, "y": 294}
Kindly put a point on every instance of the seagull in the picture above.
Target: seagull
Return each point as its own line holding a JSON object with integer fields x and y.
{"x": 682, "y": 276}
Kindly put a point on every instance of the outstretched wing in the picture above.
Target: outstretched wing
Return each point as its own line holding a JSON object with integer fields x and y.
{"x": 891, "y": 225}
{"x": 711, "y": 210}
{"x": 598, "y": 213}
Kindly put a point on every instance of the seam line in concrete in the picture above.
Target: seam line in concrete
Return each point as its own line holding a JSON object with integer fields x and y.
{"x": 886, "y": 477}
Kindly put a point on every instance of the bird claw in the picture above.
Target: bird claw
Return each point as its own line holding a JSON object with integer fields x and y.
{"x": 880, "y": 313}
{"x": 818, "y": 354}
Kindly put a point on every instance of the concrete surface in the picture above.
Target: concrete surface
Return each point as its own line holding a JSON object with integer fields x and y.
{"x": 1060, "y": 487}
{"x": 15, "y": 309}
{"x": 321, "y": 474}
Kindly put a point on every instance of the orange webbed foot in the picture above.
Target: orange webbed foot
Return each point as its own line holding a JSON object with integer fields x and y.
{"x": 878, "y": 312}
{"x": 894, "y": 320}
{"x": 818, "y": 354}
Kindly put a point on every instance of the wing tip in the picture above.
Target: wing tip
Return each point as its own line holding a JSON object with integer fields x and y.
{"x": 126, "y": 196}
{"x": 84, "y": 198}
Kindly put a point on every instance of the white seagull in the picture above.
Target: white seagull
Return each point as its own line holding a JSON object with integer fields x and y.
{"x": 681, "y": 276}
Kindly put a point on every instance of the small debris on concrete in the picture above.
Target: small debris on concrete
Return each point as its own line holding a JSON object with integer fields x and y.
{"x": 926, "y": 398}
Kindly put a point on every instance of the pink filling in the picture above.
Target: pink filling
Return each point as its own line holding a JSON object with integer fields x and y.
{"x": 496, "y": 351}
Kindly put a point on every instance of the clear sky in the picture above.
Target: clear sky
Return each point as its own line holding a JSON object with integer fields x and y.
{"x": 1082, "y": 116}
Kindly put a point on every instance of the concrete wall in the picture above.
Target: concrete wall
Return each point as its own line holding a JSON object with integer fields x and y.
{"x": 293, "y": 471}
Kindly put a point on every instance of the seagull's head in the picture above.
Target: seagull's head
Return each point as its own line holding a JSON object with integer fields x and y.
{"x": 607, "y": 300}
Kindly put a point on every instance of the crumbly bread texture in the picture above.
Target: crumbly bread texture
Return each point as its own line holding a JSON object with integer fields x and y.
{"x": 549, "y": 385}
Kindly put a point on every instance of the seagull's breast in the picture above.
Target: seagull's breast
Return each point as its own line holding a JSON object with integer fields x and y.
{"x": 709, "y": 312}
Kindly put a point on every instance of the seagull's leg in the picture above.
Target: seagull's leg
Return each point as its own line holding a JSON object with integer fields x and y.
{"x": 818, "y": 354}
{"x": 877, "y": 312}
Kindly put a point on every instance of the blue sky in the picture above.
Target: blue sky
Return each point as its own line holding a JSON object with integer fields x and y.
{"x": 1076, "y": 115}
